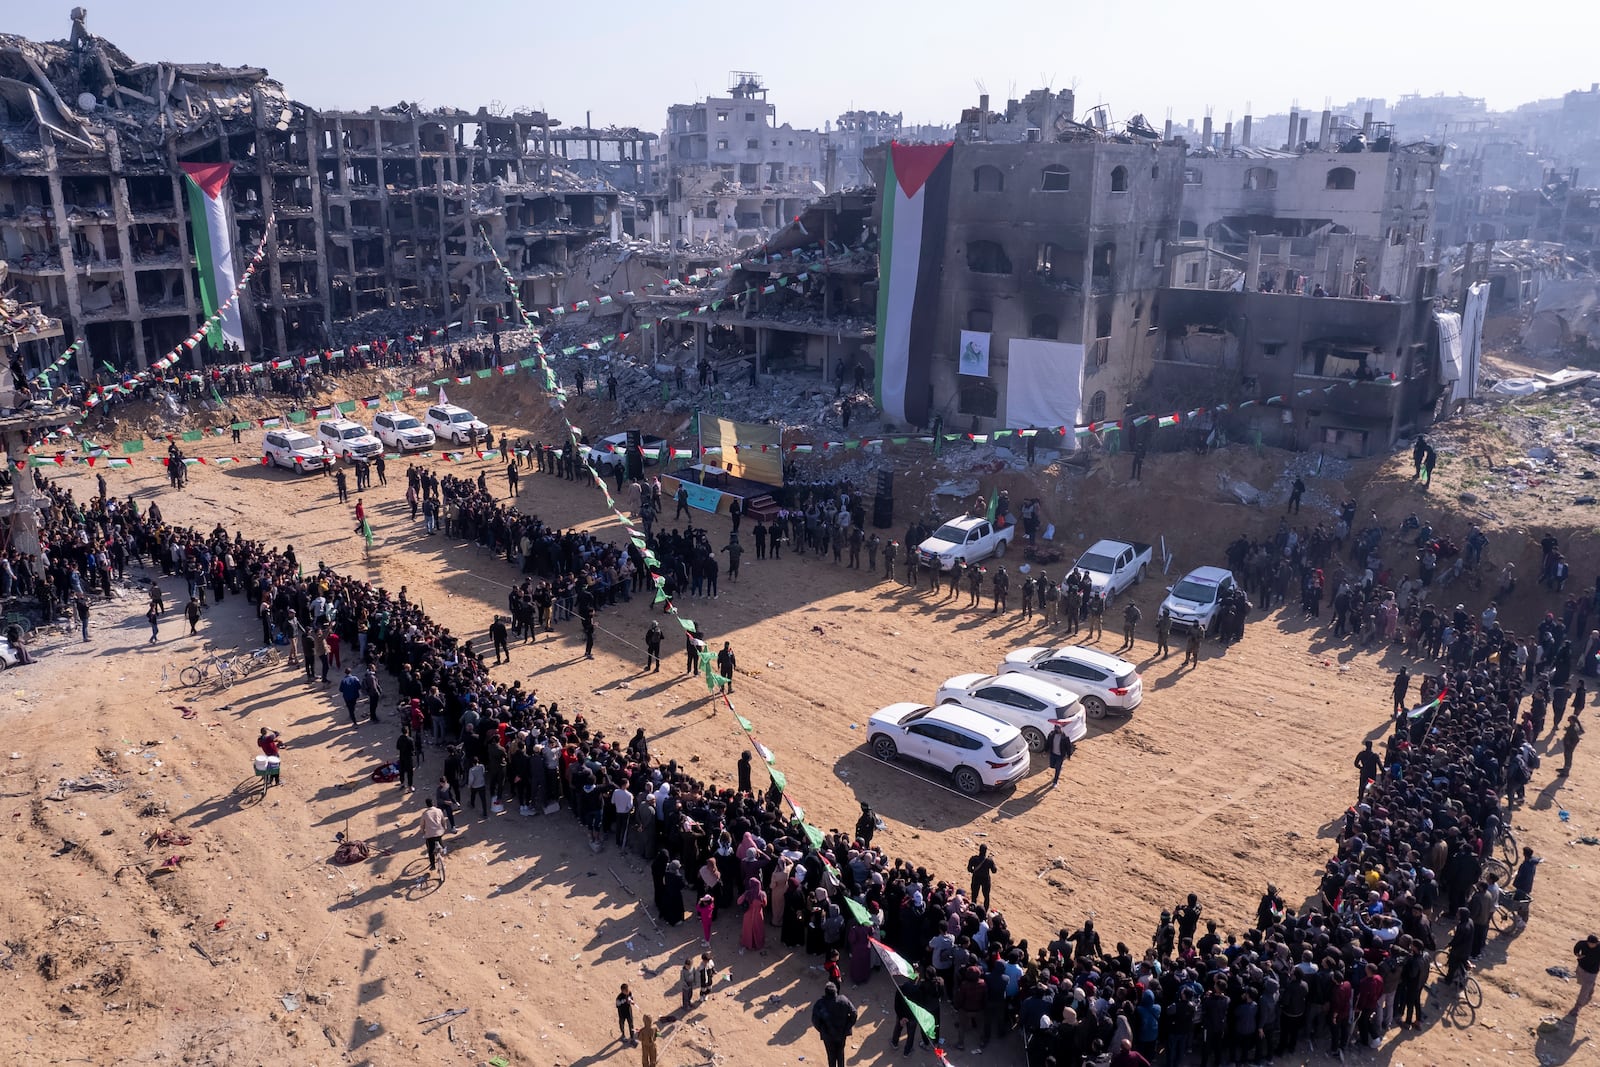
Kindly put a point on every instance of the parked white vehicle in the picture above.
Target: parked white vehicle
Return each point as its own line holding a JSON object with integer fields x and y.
{"x": 348, "y": 440}
{"x": 977, "y": 751}
{"x": 971, "y": 537}
{"x": 293, "y": 450}
{"x": 1100, "y": 680}
{"x": 402, "y": 432}
{"x": 1197, "y": 596}
{"x": 610, "y": 452}
{"x": 453, "y": 424}
{"x": 1030, "y": 704}
{"x": 1113, "y": 566}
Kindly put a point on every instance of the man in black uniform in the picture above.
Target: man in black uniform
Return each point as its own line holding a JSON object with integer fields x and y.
{"x": 974, "y": 585}
{"x": 652, "y": 647}
{"x": 1002, "y": 584}
{"x": 1163, "y": 632}
{"x": 888, "y": 559}
{"x": 497, "y": 633}
{"x": 1368, "y": 763}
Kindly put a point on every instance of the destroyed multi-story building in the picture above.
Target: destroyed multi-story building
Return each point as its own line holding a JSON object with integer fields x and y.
{"x": 1348, "y": 179}
{"x": 732, "y": 173}
{"x": 1056, "y": 237}
{"x": 847, "y": 140}
{"x": 374, "y": 213}
{"x": 1301, "y": 318}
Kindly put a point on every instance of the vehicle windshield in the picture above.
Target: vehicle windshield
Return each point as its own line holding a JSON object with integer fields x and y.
{"x": 461, "y": 416}
{"x": 1198, "y": 592}
{"x": 352, "y": 433}
{"x": 298, "y": 441}
{"x": 1093, "y": 561}
{"x": 951, "y": 532}
{"x": 405, "y": 422}
{"x": 1010, "y": 748}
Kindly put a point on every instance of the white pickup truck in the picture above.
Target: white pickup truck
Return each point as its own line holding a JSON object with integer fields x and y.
{"x": 971, "y": 537}
{"x": 1113, "y": 566}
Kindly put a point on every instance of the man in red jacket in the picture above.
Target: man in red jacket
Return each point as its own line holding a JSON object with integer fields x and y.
{"x": 1369, "y": 998}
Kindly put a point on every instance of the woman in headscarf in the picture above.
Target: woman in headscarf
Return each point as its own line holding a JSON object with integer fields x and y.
{"x": 833, "y": 928}
{"x": 751, "y": 858}
{"x": 711, "y": 880}
{"x": 794, "y": 914}
{"x": 753, "y": 934}
{"x": 670, "y": 901}
{"x": 860, "y": 953}
{"x": 778, "y": 891}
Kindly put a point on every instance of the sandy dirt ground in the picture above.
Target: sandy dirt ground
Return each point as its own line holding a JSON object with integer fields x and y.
{"x": 1229, "y": 776}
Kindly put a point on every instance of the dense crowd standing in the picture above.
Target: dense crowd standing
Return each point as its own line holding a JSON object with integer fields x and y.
{"x": 1416, "y": 846}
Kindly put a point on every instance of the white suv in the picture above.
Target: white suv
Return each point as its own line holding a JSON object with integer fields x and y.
{"x": 1197, "y": 596}
{"x": 978, "y": 752}
{"x": 402, "y": 432}
{"x": 1100, "y": 680}
{"x": 348, "y": 440}
{"x": 453, "y": 424}
{"x": 293, "y": 450}
{"x": 1031, "y": 704}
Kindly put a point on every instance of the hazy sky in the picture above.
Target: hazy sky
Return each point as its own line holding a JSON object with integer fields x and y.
{"x": 626, "y": 60}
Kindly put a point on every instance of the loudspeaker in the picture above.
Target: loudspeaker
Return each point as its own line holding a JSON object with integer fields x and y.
{"x": 886, "y": 483}
{"x": 883, "y": 511}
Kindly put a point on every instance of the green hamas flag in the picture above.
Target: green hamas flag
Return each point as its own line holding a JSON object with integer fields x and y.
{"x": 857, "y": 912}
{"x": 780, "y": 781}
{"x": 130, "y": 447}
{"x": 924, "y": 1018}
{"x": 366, "y": 531}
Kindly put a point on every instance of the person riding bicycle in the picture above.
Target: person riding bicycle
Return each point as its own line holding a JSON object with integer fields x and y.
{"x": 1460, "y": 946}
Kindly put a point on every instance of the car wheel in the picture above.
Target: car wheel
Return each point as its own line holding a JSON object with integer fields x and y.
{"x": 884, "y": 748}
{"x": 1094, "y": 707}
{"x": 1035, "y": 739}
{"x": 1000, "y": 549}
{"x": 968, "y": 781}
{"x": 1137, "y": 578}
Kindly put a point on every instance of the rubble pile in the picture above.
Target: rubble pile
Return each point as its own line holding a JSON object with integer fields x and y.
{"x": 20, "y": 319}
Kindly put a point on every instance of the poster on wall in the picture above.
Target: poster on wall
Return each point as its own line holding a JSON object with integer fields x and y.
{"x": 974, "y": 354}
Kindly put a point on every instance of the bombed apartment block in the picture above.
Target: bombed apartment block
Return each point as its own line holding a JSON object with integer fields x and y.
{"x": 824, "y": 321}
{"x": 1026, "y": 297}
{"x": 732, "y": 172}
{"x": 416, "y": 204}
{"x": 134, "y": 194}
{"x": 95, "y": 150}
{"x": 1345, "y": 328}
{"x": 1337, "y": 179}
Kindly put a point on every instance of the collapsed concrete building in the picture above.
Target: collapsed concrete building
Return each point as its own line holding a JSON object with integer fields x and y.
{"x": 732, "y": 173}
{"x": 378, "y": 215}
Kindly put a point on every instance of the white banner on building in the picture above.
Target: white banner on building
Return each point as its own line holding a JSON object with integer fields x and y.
{"x": 974, "y": 353}
{"x": 1472, "y": 316}
{"x": 1044, "y": 385}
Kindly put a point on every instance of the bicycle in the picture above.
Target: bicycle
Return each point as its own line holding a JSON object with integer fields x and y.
{"x": 1510, "y": 914}
{"x": 197, "y": 673}
{"x": 251, "y": 662}
{"x": 1508, "y": 848}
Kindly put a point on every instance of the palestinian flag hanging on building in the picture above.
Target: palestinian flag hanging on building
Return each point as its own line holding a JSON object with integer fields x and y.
{"x": 213, "y": 247}
{"x": 915, "y": 205}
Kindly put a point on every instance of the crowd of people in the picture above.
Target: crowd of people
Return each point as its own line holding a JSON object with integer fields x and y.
{"x": 1414, "y": 856}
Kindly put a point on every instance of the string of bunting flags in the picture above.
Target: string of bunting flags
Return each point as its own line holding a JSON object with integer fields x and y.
{"x": 330, "y": 355}
{"x": 707, "y": 661}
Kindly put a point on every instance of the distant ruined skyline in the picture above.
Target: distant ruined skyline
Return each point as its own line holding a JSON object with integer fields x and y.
{"x": 1161, "y": 59}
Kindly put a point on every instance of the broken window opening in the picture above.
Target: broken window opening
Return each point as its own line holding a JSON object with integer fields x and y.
{"x": 987, "y": 257}
{"x": 987, "y": 179}
{"x": 1057, "y": 179}
{"x": 980, "y": 320}
{"x": 1260, "y": 179}
{"x": 1119, "y": 179}
{"x": 1341, "y": 178}
{"x": 1045, "y": 327}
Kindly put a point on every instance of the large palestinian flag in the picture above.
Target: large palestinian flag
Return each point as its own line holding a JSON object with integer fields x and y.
{"x": 916, "y": 198}
{"x": 213, "y": 246}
